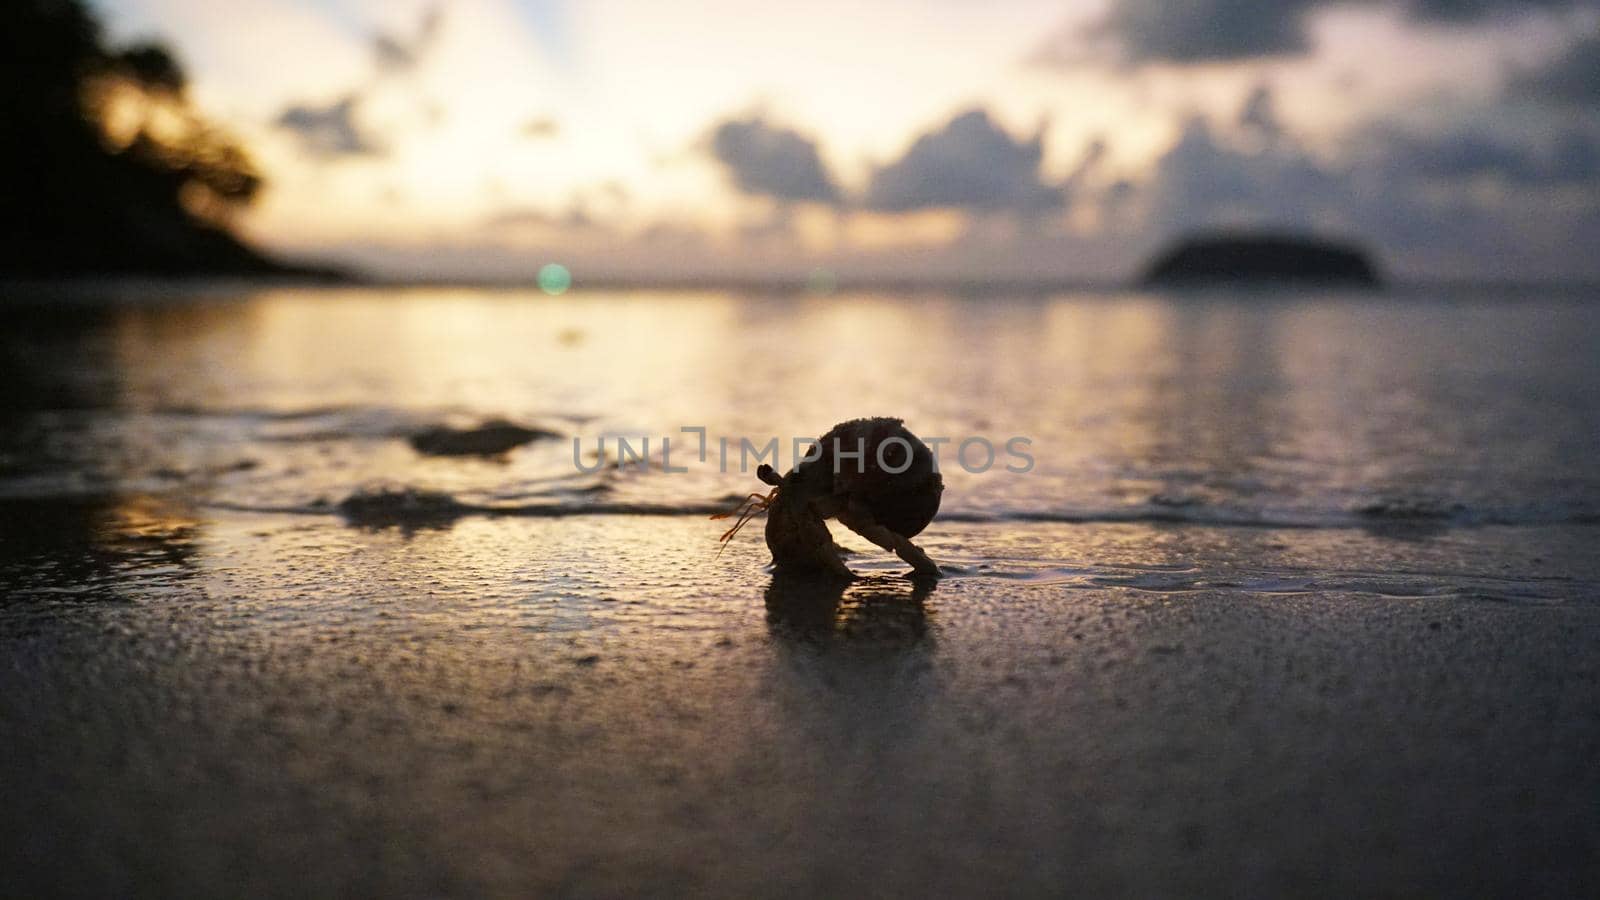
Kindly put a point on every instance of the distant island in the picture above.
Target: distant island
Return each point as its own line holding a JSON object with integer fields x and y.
{"x": 110, "y": 169}
{"x": 1244, "y": 258}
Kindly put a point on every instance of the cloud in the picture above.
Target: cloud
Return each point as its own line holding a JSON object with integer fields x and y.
{"x": 397, "y": 55}
{"x": 1475, "y": 153}
{"x": 1465, "y": 11}
{"x": 1493, "y": 195}
{"x": 1223, "y": 31}
{"x": 1572, "y": 78}
{"x": 1094, "y": 154}
{"x": 969, "y": 164}
{"x": 1208, "y": 30}
{"x": 772, "y": 161}
{"x": 1203, "y": 181}
{"x": 1574, "y": 157}
{"x": 540, "y": 127}
{"x": 532, "y": 218}
{"x": 332, "y": 130}
{"x": 1471, "y": 199}
{"x": 329, "y": 131}
{"x": 1250, "y": 172}
{"x": 1260, "y": 113}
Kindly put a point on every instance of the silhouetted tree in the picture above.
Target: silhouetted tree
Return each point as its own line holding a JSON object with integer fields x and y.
{"x": 105, "y": 168}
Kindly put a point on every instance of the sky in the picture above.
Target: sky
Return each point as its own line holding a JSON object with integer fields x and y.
{"x": 932, "y": 140}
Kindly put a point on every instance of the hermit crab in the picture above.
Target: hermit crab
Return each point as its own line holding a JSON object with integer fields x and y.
{"x": 873, "y": 475}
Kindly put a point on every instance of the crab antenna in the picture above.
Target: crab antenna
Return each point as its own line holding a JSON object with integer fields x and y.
{"x": 746, "y": 510}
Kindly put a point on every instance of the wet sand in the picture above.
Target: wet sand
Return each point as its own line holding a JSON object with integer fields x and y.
{"x": 196, "y": 701}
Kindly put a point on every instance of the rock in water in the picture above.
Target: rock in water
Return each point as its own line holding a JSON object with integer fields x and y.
{"x": 492, "y": 438}
{"x": 383, "y": 506}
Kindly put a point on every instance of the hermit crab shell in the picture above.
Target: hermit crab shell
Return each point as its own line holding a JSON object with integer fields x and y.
{"x": 877, "y": 464}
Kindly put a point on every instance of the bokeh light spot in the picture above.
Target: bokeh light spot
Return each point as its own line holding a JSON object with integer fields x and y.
{"x": 554, "y": 279}
{"x": 822, "y": 281}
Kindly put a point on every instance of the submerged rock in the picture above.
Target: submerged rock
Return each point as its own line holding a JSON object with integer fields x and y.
{"x": 491, "y": 438}
{"x": 402, "y": 506}
{"x": 1410, "y": 509}
{"x": 1266, "y": 258}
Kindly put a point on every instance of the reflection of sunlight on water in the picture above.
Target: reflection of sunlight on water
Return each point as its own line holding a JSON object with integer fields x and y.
{"x": 509, "y": 351}
{"x": 122, "y": 548}
{"x": 877, "y": 612}
{"x": 1306, "y": 409}
{"x": 149, "y": 520}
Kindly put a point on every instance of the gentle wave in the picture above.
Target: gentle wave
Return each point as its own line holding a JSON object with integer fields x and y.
{"x": 333, "y": 423}
{"x": 1400, "y": 585}
{"x": 187, "y": 449}
{"x": 567, "y": 495}
{"x": 403, "y": 505}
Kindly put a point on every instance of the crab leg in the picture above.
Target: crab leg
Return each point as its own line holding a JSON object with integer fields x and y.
{"x": 858, "y": 519}
{"x": 828, "y": 556}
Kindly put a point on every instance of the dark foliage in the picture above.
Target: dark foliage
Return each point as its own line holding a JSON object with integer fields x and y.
{"x": 108, "y": 169}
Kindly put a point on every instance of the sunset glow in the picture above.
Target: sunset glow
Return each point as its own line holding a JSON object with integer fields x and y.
{"x": 482, "y": 137}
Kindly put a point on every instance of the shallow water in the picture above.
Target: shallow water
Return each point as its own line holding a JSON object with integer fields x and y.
{"x": 1295, "y": 578}
{"x": 1306, "y": 409}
